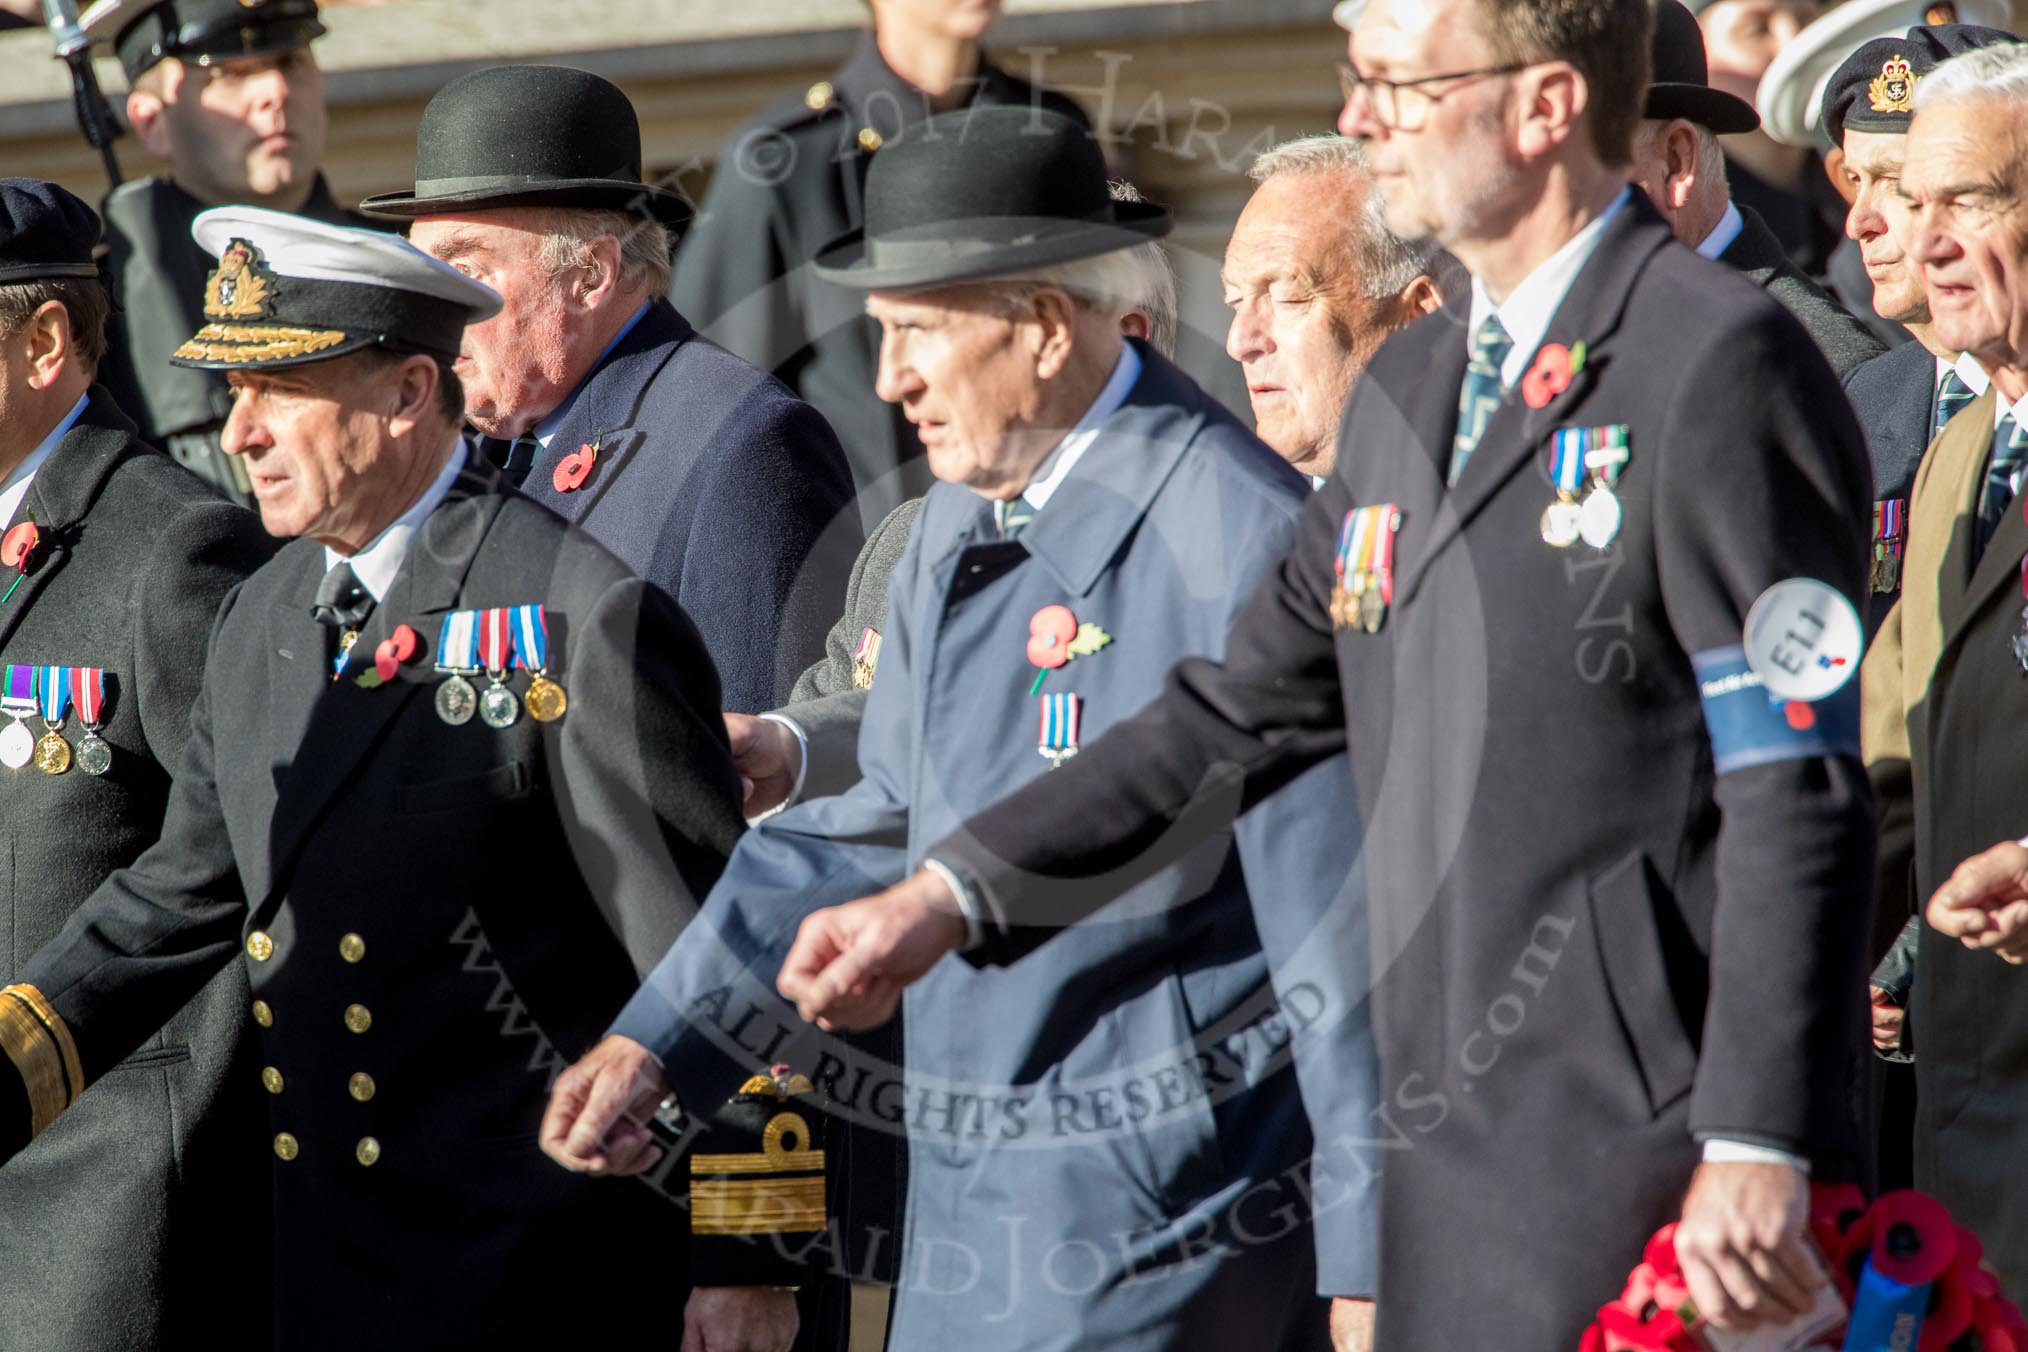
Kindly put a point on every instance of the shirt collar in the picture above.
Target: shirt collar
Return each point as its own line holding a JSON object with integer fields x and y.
{"x": 380, "y": 560}
{"x": 15, "y": 486}
{"x": 2017, "y": 411}
{"x": 546, "y": 429}
{"x": 1729, "y": 228}
{"x": 1526, "y": 313}
{"x": 1968, "y": 369}
{"x": 1056, "y": 466}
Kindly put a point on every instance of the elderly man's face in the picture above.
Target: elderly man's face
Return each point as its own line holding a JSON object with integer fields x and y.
{"x": 315, "y": 443}
{"x": 520, "y": 364}
{"x": 1967, "y": 176}
{"x": 1303, "y": 325}
{"x": 965, "y": 374}
{"x": 1446, "y": 159}
{"x": 1882, "y": 222}
{"x": 1741, "y": 37}
{"x": 251, "y": 127}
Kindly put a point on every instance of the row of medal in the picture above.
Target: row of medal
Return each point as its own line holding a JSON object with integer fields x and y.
{"x": 52, "y": 692}
{"x": 495, "y": 642}
{"x": 1585, "y": 460}
{"x": 1890, "y": 535}
{"x": 1365, "y": 568}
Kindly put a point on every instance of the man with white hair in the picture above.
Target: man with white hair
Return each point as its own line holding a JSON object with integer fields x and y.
{"x": 1951, "y": 656}
{"x": 1104, "y": 1147}
{"x": 1316, "y": 282}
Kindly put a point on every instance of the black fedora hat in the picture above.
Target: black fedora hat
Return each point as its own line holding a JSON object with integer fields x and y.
{"x": 1682, "y": 82}
{"x": 985, "y": 192}
{"x": 529, "y": 136}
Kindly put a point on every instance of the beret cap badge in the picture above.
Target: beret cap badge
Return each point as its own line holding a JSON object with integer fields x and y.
{"x": 1893, "y": 90}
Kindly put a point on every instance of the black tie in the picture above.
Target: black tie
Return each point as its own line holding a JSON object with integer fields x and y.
{"x": 342, "y": 599}
{"x": 514, "y": 458}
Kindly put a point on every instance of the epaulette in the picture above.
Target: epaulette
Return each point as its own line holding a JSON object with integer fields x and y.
{"x": 757, "y": 1184}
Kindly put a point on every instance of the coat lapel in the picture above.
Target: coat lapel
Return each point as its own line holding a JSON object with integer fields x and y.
{"x": 347, "y": 721}
{"x": 62, "y": 492}
{"x": 1971, "y": 583}
{"x": 605, "y": 410}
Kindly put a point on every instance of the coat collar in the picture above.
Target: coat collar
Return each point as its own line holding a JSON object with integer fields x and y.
{"x": 1756, "y": 254}
{"x": 889, "y": 105}
{"x": 64, "y": 490}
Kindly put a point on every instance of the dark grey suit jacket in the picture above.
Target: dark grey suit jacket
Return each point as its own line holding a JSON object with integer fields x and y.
{"x": 139, "y": 1220}
{"x": 1759, "y": 256}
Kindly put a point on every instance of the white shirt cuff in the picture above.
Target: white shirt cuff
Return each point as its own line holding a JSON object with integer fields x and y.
{"x": 1718, "y": 1150}
{"x": 802, "y": 768}
{"x": 968, "y": 905}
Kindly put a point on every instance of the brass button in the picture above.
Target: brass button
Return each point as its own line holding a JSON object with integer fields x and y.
{"x": 818, "y": 97}
{"x": 272, "y": 1078}
{"x": 285, "y": 1146}
{"x": 367, "y": 1151}
{"x": 259, "y": 946}
{"x": 352, "y": 948}
{"x": 264, "y": 1014}
{"x": 358, "y": 1018}
{"x": 361, "y": 1086}
{"x": 870, "y": 140}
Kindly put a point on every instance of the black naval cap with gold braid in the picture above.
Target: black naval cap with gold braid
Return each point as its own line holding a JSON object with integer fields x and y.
{"x": 144, "y": 32}
{"x": 757, "y": 1185}
{"x": 288, "y": 291}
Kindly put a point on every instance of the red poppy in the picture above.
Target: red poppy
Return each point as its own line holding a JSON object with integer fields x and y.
{"x": 17, "y": 547}
{"x": 397, "y": 648}
{"x": 1549, "y": 377}
{"x": 571, "y": 471}
{"x": 1049, "y": 636}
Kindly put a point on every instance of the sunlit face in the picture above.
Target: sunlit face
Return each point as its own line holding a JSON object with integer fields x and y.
{"x": 1303, "y": 326}
{"x": 1967, "y": 178}
{"x": 246, "y": 129}
{"x": 519, "y": 365}
{"x": 1438, "y": 178}
{"x": 1882, "y": 221}
{"x": 963, "y": 20}
{"x": 966, "y": 375}
{"x": 1741, "y": 37}
{"x": 315, "y": 442}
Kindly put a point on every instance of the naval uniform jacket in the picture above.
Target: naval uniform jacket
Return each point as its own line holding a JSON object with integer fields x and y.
{"x": 789, "y": 182}
{"x": 452, "y": 912}
{"x": 718, "y": 486}
{"x": 1075, "y": 1124}
{"x": 1946, "y": 733}
{"x": 1591, "y": 946}
{"x": 139, "y": 1220}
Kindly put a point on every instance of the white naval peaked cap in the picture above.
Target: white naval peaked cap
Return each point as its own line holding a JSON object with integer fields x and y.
{"x": 1346, "y": 13}
{"x": 1791, "y": 93}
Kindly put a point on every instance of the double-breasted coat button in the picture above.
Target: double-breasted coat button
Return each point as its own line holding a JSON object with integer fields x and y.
{"x": 264, "y": 1014}
{"x": 818, "y": 97}
{"x": 285, "y": 1146}
{"x": 352, "y": 948}
{"x": 271, "y": 1078}
{"x": 361, "y": 1086}
{"x": 259, "y": 946}
{"x": 870, "y": 140}
{"x": 367, "y": 1151}
{"x": 358, "y": 1018}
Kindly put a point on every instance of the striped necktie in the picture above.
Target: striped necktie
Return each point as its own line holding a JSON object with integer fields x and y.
{"x": 1951, "y": 398}
{"x": 1013, "y": 517}
{"x": 513, "y": 458}
{"x": 2003, "y": 476}
{"x": 1480, "y": 398}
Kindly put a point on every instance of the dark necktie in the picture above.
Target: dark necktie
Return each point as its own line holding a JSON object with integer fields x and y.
{"x": 2003, "y": 472}
{"x": 342, "y": 605}
{"x": 1951, "y": 398}
{"x": 1014, "y": 517}
{"x": 1479, "y": 398}
{"x": 513, "y": 458}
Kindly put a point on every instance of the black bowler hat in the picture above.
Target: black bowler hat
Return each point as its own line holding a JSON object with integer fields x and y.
{"x": 529, "y": 136}
{"x": 1875, "y": 89}
{"x": 45, "y": 231}
{"x": 199, "y": 31}
{"x": 985, "y": 192}
{"x": 289, "y": 291}
{"x": 1682, "y": 86}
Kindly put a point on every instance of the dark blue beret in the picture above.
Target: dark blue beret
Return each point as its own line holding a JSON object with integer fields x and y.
{"x": 1875, "y": 89}
{"x": 45, "y": 232}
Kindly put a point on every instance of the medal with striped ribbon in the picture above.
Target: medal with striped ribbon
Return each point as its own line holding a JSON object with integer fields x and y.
{"x": 88, "y": 697}
{"x": 864, "y": 659}
{"x": 545, "y": 698}
{"x": 17, "y": 701}
{"x": 458, "y": 659}
{"x": 52, "y": 700}
{"x": 497, "y": 706}
{"x": 1566, "y": 471}
{"x": 1061, "y": 714}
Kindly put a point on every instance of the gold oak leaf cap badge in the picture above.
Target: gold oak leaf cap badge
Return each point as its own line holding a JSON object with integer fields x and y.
{"x": 1893, "y": 90}
{"x": 240, "y": 286}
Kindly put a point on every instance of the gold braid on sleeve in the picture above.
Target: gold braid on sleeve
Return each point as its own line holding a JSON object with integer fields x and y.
{"x": 38, "y": 1042}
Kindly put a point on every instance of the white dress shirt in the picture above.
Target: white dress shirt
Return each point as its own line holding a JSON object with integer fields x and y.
{"x": 1968, "y": 369}
{"x": 1526, "y": 312}
{"x": 15, "y": 486}
{"x": 380, "y": 559}
{"x": 1729, "y": 228}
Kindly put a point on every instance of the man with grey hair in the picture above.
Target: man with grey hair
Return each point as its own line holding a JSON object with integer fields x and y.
{"x": 1316, "y": 282}
{"x": 1680, "y": 165}
{"x": 1946, "y": 666}
{"x": 706, "y": 476}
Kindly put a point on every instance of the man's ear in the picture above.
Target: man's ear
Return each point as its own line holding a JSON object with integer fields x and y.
{"x": 1680, "y": 161}
{"x": 1554, "y": 97}
{"x": 1054, "y": 315}
{"x": 414, "y": 384}
{"x": 1834, "y": 169}
{"x": 147, "y": 114}
{"x": 1420, "y": 297}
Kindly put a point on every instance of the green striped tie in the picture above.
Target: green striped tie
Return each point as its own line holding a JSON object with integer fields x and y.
{"x": 1951, "y": 398}
{"x": 2003, "y": 476}
{"x": 1013, "y": 517}
{"x": 1480, "y": 398}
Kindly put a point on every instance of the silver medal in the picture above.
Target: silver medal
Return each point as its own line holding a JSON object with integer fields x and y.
{"x": 1560, "y": 523}
{"x": 94, "y": 754}
{"x": 17, "y": 745}
{"x": 499, "y": 707}
{"x": 457, "y": 701}
{"x": 1598, "y": 520}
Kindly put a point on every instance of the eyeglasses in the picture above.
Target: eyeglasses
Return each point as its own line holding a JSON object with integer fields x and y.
{"x": 1385, "y": 97}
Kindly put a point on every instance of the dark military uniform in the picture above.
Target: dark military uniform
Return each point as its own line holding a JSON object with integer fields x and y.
{"x": 788, "y": 183}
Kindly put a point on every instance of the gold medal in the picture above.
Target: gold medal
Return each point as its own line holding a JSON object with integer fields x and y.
{"x": 52, "y": 753}
{"x": 545, "y": 699}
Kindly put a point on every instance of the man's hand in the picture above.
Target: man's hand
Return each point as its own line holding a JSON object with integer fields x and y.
{"x": 850, "y": 963}
{"x": 1744, "y": 1245}
{"x": 739, "y": 1319}
{"x": 1985, "y": 903}
{"x": 1889, "y": 1019}
{"x": 597, "y": 1121}
{"x": 768, "y": 759}
{"x": 1351, "y": 1324}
